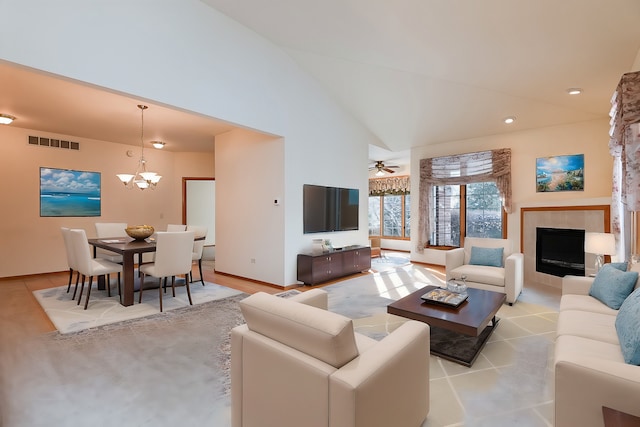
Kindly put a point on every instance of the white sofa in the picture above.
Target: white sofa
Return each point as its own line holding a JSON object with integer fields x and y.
{"x": 508, "y": 279}
{"x": 590, "y": 371}
{"x": 297, "y": 364}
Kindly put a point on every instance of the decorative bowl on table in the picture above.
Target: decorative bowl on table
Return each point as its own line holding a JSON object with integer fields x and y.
{"x": 457, "y": 286}
{"x": 139, "y": 232}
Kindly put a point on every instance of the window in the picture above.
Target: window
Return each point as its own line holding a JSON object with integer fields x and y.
{"x": 374, "y": 215}
{"x": 484, "y": 211}
{"x": 473, "y": 210}
{"x": 407, "y": 215}
{"x": 446, "y": 204}
{"x": 389, "y": 215}
{"x": 442, "y": 178}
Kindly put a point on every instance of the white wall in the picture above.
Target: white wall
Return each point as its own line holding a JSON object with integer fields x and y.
{"x": 396, "y": 245}
{"x": 588, "y": 138}
{"x": 179, "y": 52}
{"x": 199, "y": 60}
{"x": 249, "y": 226}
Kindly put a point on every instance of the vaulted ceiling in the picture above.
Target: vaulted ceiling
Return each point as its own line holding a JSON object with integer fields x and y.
{"x": 419, "y": 72}
{"x": 414, "y": 72}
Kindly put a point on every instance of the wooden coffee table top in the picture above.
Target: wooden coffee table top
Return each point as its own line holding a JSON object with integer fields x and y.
{"x": 470, "y": 318}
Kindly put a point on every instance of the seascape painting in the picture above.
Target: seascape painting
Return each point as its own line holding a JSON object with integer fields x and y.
{"x": 66, "y": 192}
{"x": 560, "y": 173}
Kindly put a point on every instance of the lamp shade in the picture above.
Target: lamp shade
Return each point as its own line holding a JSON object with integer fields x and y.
{"x": 599, "y": 243}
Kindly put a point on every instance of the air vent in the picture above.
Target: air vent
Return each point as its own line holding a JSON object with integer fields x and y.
{"x": 55, "y": 143}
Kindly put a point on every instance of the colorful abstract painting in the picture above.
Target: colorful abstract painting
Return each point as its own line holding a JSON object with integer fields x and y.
{"x": 66, "y": 192}
{"x": 560, "y": 173}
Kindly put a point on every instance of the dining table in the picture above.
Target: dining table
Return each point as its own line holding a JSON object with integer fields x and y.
{"x": 128, "y": 248}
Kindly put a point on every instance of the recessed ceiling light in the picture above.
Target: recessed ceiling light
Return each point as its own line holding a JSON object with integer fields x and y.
{"x": 574, "y": 91}
{"x": 158, "y": 144}
{"x": 509, "y": 120}
{"x": 6, "y": 119}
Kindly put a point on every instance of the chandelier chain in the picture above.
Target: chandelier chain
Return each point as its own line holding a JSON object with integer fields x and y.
{"x": 141, "y": 178}
{"x": 142, "y": 108}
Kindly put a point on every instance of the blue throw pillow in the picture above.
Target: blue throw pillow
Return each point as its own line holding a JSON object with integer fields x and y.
{"x": 486, "y": 256}
{"x": 622, "y": 266}
{"x": 628, "y": 328}
{"x": 612, "y": 286}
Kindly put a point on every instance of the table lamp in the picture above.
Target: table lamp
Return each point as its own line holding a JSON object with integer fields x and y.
{"x": 599, "y": 244}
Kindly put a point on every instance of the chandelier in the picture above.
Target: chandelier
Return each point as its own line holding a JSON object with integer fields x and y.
{"x": 141, "y": 178}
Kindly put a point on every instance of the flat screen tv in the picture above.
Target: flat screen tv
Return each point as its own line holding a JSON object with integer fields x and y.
{"x": 327, "y": 209}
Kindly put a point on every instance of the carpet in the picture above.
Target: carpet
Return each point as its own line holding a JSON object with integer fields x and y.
{"x": 173, "y": 368}
{"x": 389, "y": 262}
{"x": 67, "y": 316}
{"x": 369, "y": 295}
{"x": 166, "y": 369}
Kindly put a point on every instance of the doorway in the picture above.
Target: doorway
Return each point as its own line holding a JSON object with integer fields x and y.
{"x": 199, "y": 208}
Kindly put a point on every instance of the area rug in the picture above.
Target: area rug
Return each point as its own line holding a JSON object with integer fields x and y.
{"x": 67, "y": 316}
{"x": 161, "y": 370}
{"x": 173, "y": 368}
{"x": 369, "y": 295}
{"x": 366, "y": 298}
{"x": 389, "y": 262}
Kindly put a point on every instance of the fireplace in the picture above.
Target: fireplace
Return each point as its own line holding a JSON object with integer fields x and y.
{"x": 560, "y": 251}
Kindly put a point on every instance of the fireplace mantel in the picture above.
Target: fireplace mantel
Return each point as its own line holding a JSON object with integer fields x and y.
{"x": 595, "y": 218}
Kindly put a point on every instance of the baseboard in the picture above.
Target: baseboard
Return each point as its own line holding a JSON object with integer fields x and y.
{"x": 259, "y": 282}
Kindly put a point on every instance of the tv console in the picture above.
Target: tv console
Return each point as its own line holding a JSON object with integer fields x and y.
{"x": 322, "y": 267}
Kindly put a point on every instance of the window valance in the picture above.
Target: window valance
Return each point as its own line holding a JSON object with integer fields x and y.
{"x": 624, "y": 145}
{"x": 390, "y": 185}
{"x": 483, "y": 166}
{"x": 624, "y": 142}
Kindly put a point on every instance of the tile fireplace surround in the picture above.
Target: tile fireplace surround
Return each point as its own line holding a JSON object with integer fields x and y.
{"x": 594, "y": 218}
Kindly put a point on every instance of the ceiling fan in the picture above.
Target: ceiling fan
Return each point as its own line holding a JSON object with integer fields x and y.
{"x": 382, "y": 168}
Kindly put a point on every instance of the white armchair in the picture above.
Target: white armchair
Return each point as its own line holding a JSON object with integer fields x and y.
{"x": 507, "y": 279}
{"x": 296, "y": 364}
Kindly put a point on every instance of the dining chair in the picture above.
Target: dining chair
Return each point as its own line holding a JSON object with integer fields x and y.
{"x": 71, "y": 260}
{"x": 110, "y": 229}
{"x": 198, "y": 248}
{"x": 176, "y": 227}
{"x": 174, "y": 251}
{"x": 91, "y": 267}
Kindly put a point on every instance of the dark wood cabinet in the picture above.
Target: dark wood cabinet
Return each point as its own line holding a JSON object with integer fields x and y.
{"x": 318, "y": 268}
{"x": 357, "y": 260}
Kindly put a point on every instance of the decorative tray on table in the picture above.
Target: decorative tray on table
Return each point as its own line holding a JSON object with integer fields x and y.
{"x": 445, "y": 297}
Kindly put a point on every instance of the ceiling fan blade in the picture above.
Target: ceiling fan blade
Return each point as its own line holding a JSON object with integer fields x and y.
{"x": 388, "y": 170}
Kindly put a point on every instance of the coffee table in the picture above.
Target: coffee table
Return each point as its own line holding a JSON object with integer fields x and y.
{"x": 457, "y": 334}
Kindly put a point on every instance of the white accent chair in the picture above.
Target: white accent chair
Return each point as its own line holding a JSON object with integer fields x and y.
{"x": 91, "y": 267}
{"x": 295, "y": 364}
{"x": 173, "y": 258}
{"x": 110, "y": 229}
{"x": 507, "y": 279}
{"x": 176, "y": 227}
{"x": 200, "y": 232}
{"x": 71, "y": 260}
